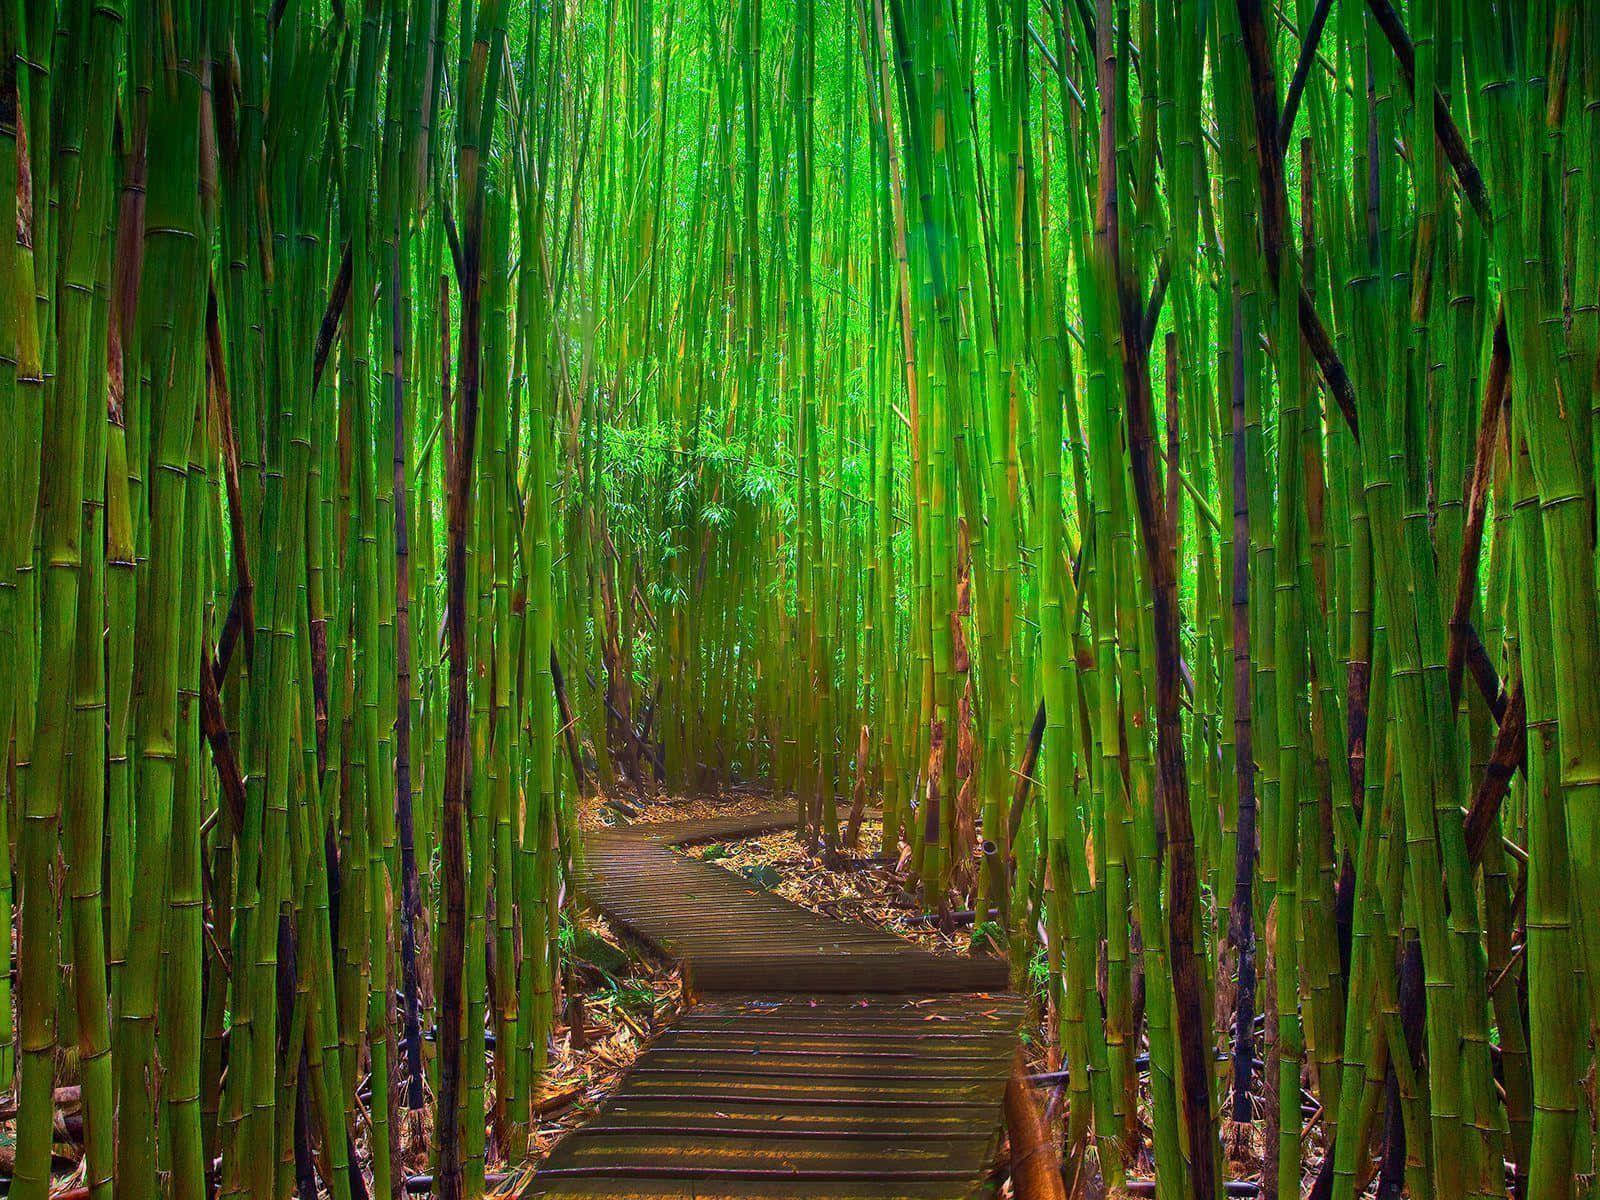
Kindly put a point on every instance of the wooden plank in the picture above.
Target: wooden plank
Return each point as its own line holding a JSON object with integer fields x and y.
{"x": 799, "y": 1091}
{"x": 834, "y": 1066}
{"x": 703, "y": 1189}
{"x": 645, "y": 1112}
{"x": 877, "y": 1010}
{"x": 946, "y": 1047}
{"x": 690, "y": 1155}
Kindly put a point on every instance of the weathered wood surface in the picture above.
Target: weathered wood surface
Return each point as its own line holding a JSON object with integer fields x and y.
{"x": 734, "y": 937}
{"x": 827, "y": 1060}
{"x": 838, "y": 1096}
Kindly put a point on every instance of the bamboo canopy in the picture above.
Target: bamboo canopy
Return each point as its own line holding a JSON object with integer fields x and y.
{"x": 1145, "y": 451}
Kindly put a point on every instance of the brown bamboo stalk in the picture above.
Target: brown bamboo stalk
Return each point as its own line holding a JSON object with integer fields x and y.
{"x": 1186, "y": 959}
{"x": 1495, "y": 393}
{"x": 1035, "y": 1167}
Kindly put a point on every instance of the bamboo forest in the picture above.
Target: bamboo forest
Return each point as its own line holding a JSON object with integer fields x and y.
{"x": 799, "y": 598}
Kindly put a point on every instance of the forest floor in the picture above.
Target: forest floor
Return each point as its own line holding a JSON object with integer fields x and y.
{"x": 852, "y": 886}
{"x": 625, "y": 994}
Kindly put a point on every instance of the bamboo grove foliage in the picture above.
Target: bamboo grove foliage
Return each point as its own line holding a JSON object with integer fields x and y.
{"x": 263, "y": 307}
{"x": 1146, "y": 446}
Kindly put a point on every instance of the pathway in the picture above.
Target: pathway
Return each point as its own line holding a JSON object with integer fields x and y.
{"x": 826, "y": 1059}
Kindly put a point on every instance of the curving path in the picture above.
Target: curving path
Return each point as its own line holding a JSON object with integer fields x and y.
{"x": 825, "y": 1059}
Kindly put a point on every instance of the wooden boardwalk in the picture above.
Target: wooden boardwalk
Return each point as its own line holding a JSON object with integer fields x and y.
{"x": 825, "y": 1059}
{"x": 734, "y": 937}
